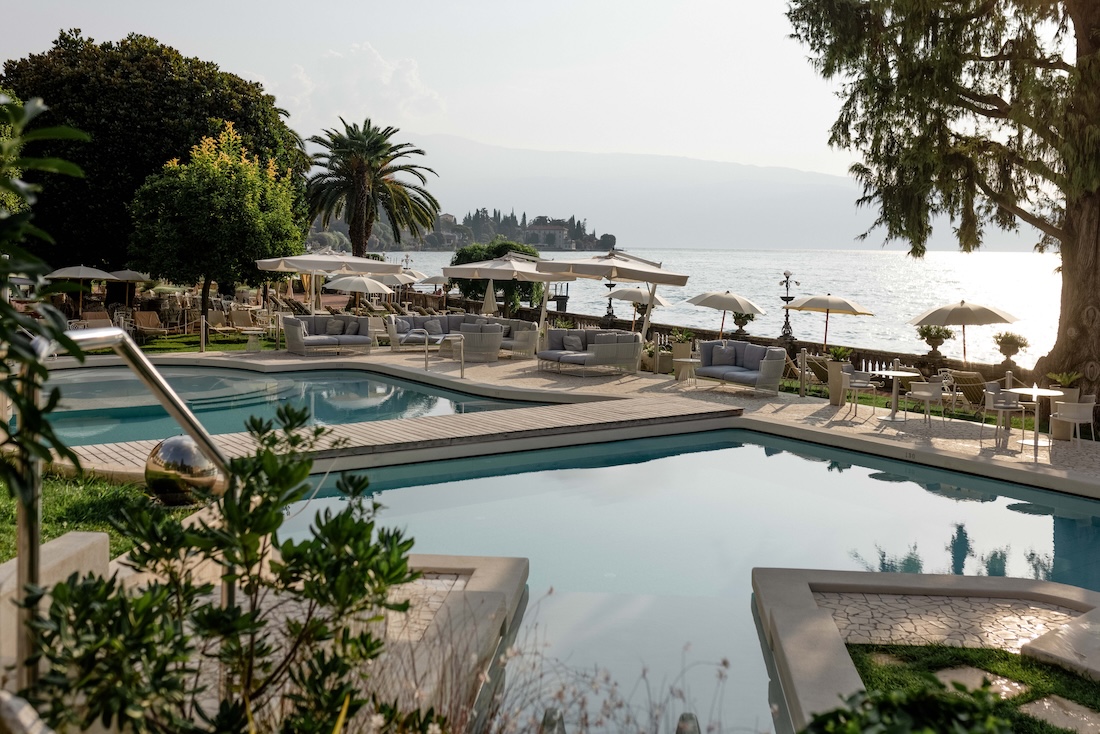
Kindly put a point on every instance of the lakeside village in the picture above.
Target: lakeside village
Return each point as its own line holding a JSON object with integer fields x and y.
{"x": 448, "y": 234}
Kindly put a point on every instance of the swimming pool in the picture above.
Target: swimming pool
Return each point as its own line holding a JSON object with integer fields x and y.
{"x": 110, "y": 404}
{"x": 649, "y": 544}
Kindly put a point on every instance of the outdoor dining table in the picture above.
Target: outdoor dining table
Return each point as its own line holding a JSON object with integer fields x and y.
{"x": 894, "y": 374}
{"x": 1035, "y": 393}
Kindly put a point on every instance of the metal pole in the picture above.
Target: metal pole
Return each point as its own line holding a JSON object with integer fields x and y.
{"x": 29, "y": 518}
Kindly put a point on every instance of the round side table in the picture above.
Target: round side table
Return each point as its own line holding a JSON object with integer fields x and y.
{"x": 687, "y": 370}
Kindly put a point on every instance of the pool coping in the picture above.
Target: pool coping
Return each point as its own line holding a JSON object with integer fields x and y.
{"x": 1040, "y": 476}
{"x": 812, "y": 662}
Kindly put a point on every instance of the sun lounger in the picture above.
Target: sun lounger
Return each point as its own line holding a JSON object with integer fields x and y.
{"x": 968, "y": 386}
{"x": 215, "y": 321}
{"x": 241, "y": 320}
{"x": 147, "y": 324}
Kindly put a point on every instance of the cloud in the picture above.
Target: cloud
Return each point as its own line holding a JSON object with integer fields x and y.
{"x": 354, "y": 83}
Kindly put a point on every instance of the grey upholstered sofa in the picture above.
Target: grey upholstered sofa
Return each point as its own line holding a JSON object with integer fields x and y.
{"x": 517, "y": 337}
{"x": 338, "y": 334}
{"x": 591, "y": 348}
{"x": 742, "y": 363}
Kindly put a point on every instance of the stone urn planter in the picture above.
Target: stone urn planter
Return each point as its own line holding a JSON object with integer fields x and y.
{"x": 742, "y": 320}
{"x": 934, "y": 345}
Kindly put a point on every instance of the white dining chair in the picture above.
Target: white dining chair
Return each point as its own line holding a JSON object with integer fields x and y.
{"x": 928, "y": 393}
{"x": 1004, "y": 404}
{"x": 1079, "y": 414}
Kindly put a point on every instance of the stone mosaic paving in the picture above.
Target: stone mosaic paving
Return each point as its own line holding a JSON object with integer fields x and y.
{"x": 951, "y": 620}
{"x": 425, "y": 595}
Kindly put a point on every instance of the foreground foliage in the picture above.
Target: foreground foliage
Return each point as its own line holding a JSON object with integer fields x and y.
{"x": 291, "y": 647}
{"x": 986, "y": 111}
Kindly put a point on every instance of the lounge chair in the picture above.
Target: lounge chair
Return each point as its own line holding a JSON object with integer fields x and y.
{"x": 969, "y": 386}
{"x": 241, "y": 320}
{"x": 215, "y": 322}
{"x": 147, "y": 324}
{"x": 791, "y": 372}
{"x": 819, "y": 367}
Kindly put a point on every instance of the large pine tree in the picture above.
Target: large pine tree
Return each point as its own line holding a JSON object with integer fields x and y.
{"x": 987, "y": 111}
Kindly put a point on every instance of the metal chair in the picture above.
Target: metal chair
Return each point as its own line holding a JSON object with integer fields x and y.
{"x": 856, "y": 382}
{"x": 927, "y": 392}
{"x": 1004, "y": 403}
{"x": 1076, "y": 413}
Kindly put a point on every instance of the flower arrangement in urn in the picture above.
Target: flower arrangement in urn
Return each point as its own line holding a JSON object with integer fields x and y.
{"x": 934, "y": 336}
{"x": 1009, "y": 344}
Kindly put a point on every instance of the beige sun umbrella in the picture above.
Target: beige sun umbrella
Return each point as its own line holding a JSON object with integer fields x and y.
{"x": 80, "y": 273}
{"x": 489, "y": 301}
{"x": 509, "y": 266}
{"x": 620, "y": 266}
{"x": 963, "y": 314}
{"x": 726, "y": 301}
{"x": 638, "y": 296}
{"x": 357, "y": 284}
{"x": 828, "y": 304}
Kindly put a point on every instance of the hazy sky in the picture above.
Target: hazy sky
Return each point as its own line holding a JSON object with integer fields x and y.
{"x": 708, "y": 79}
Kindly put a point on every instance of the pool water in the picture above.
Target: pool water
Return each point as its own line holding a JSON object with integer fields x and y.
{"x": 649, "y": 544}
{"x": 110, "y": 404}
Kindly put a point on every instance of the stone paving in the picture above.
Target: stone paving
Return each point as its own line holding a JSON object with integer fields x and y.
{"x": 425, "y": 596}
{"x": 1006, "y": 624}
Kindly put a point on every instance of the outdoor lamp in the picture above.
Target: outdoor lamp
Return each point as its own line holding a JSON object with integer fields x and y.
{"x": 787, "y": 333}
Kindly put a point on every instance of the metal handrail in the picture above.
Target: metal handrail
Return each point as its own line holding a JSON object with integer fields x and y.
{"x": 29, "y": 532}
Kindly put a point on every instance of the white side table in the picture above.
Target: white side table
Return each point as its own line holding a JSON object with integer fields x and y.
{"x": 687, "y": 370}
{"x": 253, "y": 335}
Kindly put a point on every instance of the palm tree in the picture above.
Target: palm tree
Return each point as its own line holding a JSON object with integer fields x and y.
{"x": 361, "y": 165}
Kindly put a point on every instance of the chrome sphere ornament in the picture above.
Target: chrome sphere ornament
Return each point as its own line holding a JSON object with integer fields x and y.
{"x": 175, "y": 468}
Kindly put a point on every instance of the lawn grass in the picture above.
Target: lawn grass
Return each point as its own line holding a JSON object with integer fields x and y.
{"x": 190, "y": 343}
{"x": 1041, "y": 679}
{"x": 79, "y": 504}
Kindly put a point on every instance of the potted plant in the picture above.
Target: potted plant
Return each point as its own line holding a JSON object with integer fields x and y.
{"x": 1064, "y": 381}
{"x": 1009, "y": 344}
{"x": 681, "y": 342}
{"x": 741, "y": 319}
{"x": 838, "y": 357}
{"x": 663, "y": 357}
{"x": 934, "y": 336}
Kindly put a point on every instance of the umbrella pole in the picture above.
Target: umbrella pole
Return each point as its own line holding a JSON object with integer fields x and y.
{"x": 964, "y": 344}
{"x": 722, "y": 328}
{"x": 645, "y": 328}
{"x": 825, "y": 344}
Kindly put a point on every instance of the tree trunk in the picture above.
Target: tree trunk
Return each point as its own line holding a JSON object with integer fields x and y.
{"x": 205, "y": 304}
{"x": 359, "y": 224}
{"x": 1078, "y": 344}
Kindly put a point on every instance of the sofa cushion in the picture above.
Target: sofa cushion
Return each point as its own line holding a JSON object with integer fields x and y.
{"x": 606, "y": 338}
{"x": 492, "y": 329}
{"x": 724, "y": 356}
{"x": 334, "y": 328}
{"x": 433, "y": 327}
{"x": 753, "y": 354}
{"x": 573, "y": 343}
{"x": 353, "y": 339}
{"x": 351, "y": 328}
{"x": 554, "y": 339}
{"x": 469, "y": 328}
{"x": 626, "y": 339}
{"x": 401, "y": 326}
{"x": 454, "y": 322}
{"x": 506, "y": 329}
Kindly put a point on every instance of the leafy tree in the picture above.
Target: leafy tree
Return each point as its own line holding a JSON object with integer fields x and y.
{"x": 143, "y": 103}
{"x": 210, "y": 219}
{"x": 296, "y": 643}
{"x": 360, "y": 180}
{"x": 514, "y": 290}
{"x": 987, "y": 111}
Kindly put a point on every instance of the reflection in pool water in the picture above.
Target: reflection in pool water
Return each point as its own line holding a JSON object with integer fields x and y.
{"x": 109, "y": 404}
{"x": 649, "y": 544}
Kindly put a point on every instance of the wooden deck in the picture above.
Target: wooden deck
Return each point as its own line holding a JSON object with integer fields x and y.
{"x": 381, "y": 443}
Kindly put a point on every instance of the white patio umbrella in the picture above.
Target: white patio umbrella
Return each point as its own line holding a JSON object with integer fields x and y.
{"x": 326, "y": 261}
{"x": 434, "y": 280}
{"x": 614, "y": 266}
{"x": 510, "y": 266}
{"x": 963, "y": 314}
{"x": 357, "y": 284}
{"x": 80, "y": 273}
{"x": 827, "y": 304}
{"x": 636, "y": 296}
{"x": 726, "y": 301}
{"x": 489, "y": 300}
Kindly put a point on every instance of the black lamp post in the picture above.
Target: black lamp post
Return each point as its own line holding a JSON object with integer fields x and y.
{"x": 608, "y": 320}
{"x": 787, "y": 333}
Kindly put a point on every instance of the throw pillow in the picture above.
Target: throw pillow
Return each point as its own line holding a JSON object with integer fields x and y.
{"x": 507, "y": 330}
{"x": 334, "y": 328}
{"x": 402, "y": 326}
{"x": 351, "y": 329}
{"x": 481, "y": 321}
{"x": 305, "y": 327}
{"x": 723, "y": 356}
{"x": 753, "y": 354}
{"x": 605, "y": 338}
{"x": 573, "y": 344}
{"x": 433, "y": 327}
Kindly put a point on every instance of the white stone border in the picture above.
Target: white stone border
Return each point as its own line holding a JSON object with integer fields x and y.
{"x": 814, "y": 669}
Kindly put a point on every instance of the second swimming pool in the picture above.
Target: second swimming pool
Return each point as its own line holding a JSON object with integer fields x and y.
{"x": 110, "y": 404}
{"x": 649, "y": 544}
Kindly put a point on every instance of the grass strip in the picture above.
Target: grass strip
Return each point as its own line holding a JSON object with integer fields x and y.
{"x": 917, "y": 661}
{"x": 78, "y": 504}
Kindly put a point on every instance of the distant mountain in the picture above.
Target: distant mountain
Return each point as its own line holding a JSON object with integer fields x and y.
{"x": 651, "y": 201}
